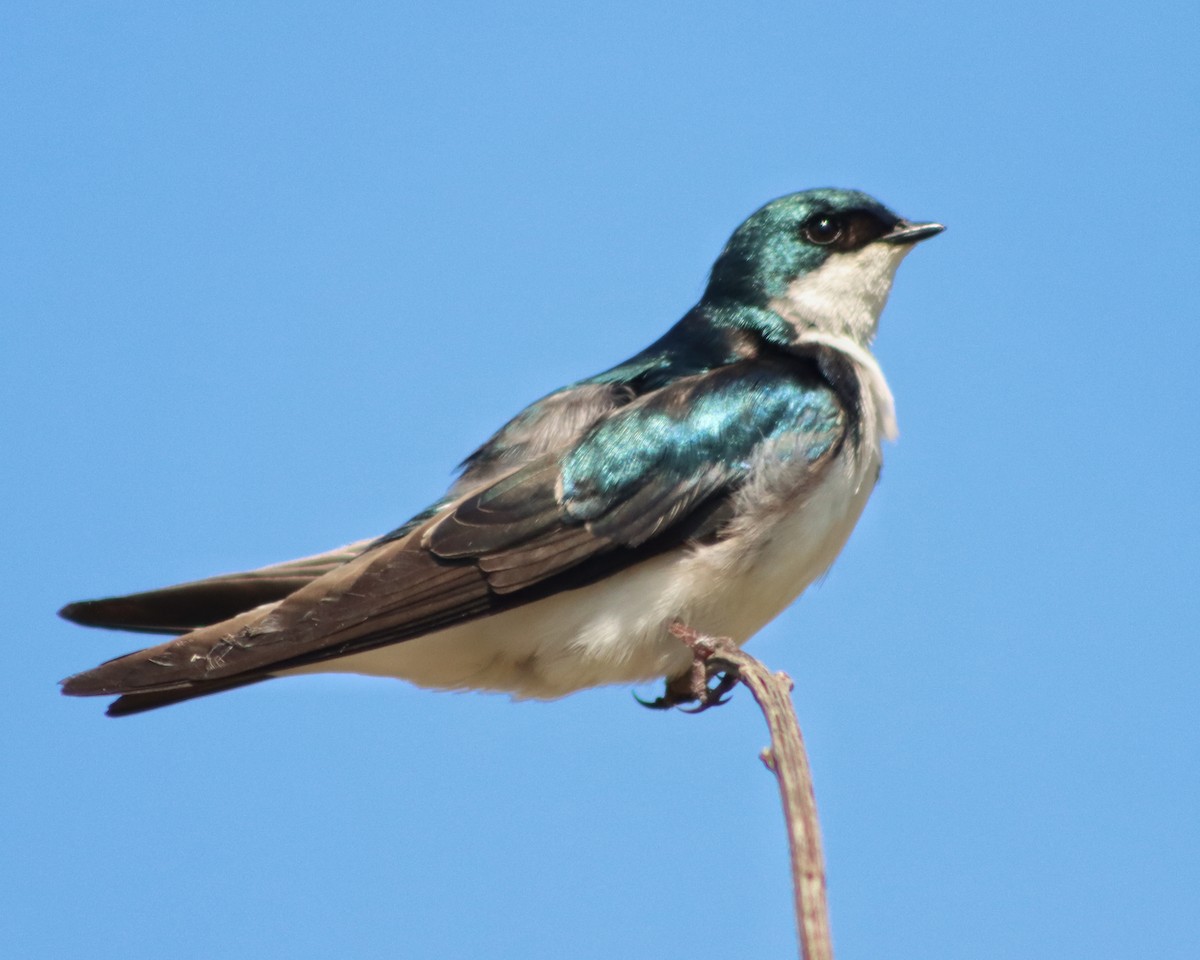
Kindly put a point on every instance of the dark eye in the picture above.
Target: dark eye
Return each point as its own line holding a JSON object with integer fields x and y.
{"x": 823, "y": 230}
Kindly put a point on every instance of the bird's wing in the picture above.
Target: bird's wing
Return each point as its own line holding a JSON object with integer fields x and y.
{"x": 651, "y": 476}
{"x": 200, "y": 603}
{"x": 550, "y": 424}
{"x": 554, "y": 422}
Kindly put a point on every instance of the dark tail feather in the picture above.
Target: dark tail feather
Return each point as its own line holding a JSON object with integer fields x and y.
{"x": 132, "y": 703}
{"x": 201, "y": 603}
{"x": 182, "y": 608}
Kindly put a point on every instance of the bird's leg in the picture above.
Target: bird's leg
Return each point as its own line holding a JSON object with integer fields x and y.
{"x": 697, "y": 686}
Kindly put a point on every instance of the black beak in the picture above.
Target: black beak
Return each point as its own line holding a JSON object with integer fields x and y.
{"x": 905, "y": 232}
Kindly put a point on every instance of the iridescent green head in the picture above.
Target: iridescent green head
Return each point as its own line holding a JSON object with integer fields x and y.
{"x": 795, "y": 235}
{"x": 822, "y": 259}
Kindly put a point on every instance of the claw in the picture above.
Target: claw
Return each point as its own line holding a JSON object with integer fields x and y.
{"x": 715, "y": 695}
{"x": 696, "y": 686}
{"x": 658, "y": 703}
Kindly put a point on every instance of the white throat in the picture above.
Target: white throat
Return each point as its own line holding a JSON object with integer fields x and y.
{"x": 846, "y": 294}
{"x": 838, "y": 306}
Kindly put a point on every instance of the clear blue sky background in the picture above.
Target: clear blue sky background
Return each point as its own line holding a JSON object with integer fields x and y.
{"x": 271, "y": 269}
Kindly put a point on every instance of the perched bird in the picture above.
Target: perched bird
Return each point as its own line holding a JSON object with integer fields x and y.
{"x": 708, "y": 479}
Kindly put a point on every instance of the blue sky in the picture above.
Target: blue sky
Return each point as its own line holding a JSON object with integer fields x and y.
{"x": 268, "y": 271}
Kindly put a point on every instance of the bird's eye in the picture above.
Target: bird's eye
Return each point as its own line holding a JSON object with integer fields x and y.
{"x": 823, "y": 230}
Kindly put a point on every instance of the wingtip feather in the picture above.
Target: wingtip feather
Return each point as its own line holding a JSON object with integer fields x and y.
{"x": 131, "y": 703}
{"x": 75, "y": 611}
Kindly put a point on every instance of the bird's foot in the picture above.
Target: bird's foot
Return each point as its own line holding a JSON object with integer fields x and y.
{"x": 705, "y": 684}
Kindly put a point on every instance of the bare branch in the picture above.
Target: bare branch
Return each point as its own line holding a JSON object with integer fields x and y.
{"x": 787, "y": 759}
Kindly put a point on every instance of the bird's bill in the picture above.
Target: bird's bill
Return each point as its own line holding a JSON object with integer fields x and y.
{"x": 905, "y": 232}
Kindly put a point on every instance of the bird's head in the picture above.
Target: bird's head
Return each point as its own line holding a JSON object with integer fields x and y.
{"x": 822, "y": 259}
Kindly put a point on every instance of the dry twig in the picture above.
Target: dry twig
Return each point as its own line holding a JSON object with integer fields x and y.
{"x": 786, "y": 758}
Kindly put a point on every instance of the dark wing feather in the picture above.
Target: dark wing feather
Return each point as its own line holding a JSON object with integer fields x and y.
{"x": 513, "y": 510}
{"x": 187, "y": 606}
{"x": 128, "y": 705}
{"x": 651, "y": 475}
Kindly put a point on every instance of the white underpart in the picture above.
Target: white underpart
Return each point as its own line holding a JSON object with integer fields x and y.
{"x": 786, "y": 536}
{"x": 838, "y": 305}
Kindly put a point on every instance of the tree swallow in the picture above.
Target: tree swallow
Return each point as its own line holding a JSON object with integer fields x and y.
{"x": 708, "y": 479}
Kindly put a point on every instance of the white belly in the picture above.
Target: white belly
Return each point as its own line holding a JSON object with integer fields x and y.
{"x": 615, "y": 631}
